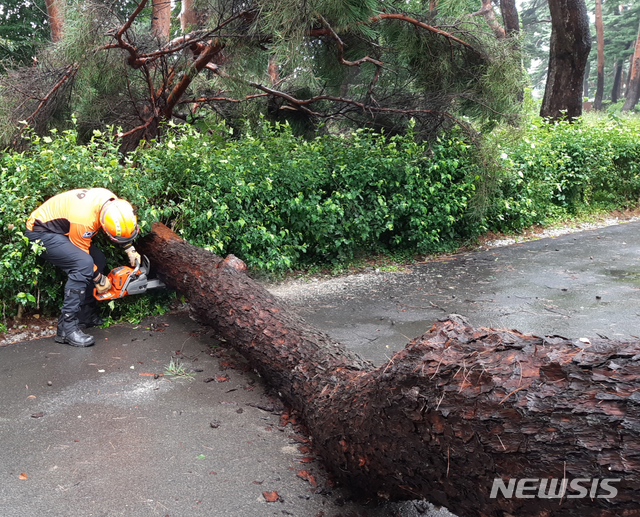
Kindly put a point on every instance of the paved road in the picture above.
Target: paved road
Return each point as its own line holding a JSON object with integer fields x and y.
{"x": 92, "y": 432}
{"x": 583, "y": 284}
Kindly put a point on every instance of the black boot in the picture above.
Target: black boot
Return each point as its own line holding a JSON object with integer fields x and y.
{"x": 93, "y": 321}
{"x": 89, "y": 315}
{"x": 69, "y": 332}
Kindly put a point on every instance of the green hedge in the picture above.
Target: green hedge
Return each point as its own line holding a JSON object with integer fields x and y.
{"x": 274, "y": 200}
{"x": 558, "y": 170}
{"x": 281, "y": 202}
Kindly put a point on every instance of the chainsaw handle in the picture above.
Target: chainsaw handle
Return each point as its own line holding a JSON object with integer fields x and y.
{"x": 140, "y": 270}
{"x": 133, "y": 273}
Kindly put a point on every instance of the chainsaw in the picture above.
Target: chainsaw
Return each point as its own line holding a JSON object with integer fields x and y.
{"x": 127, "y": 280}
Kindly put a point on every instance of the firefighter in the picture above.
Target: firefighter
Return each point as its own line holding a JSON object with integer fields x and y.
{"x": 65, "y": 225}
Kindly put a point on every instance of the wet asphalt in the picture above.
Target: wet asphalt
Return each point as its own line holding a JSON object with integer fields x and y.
{"x": 105, "y": 431}
{"x": 584, "y": 284}
{"x": 93, "y": 432}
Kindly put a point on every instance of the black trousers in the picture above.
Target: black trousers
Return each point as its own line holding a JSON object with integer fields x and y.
{"x": 78, "y": 265}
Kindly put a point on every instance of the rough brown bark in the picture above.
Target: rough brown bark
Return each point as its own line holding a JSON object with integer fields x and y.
{"x": 633, "y": 89}
{"x": 569, "y": 49}
{"x": 457, "y": 408}
{"x": 55, "y": 15}
{"x": 161, "y": 19}
{"x": 597, "y": 102}
{"x": 510, "y": 17}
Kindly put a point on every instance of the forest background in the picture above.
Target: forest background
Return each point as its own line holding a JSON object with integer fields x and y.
{"x": 305, "y": 136}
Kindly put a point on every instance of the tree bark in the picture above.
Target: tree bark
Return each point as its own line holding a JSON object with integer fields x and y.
{"x": 597, "y": 101}
{"x": 191, "y": 17}
{"x": 490, "y": 18}
{"x": 568, "y": 53}
{"x": 510, "y": 17}
{"x": 55, "y": 15}
{"x": 161, "y": 19}
{"x": 456, "y": 409}
{"x": 617, "y": 83}
{"x": 633, "y": 89}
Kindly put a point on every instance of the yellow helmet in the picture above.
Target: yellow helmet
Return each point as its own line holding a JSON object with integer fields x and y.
{"x": 118, "y": 221}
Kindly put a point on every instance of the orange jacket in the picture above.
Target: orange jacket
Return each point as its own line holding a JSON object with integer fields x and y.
{"x": 75, "y": 213}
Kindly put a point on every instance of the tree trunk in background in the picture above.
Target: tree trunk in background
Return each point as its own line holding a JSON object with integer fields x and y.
{"x": 618, "y": 67}
{"x": 617, "y": 83}
{"x": 633, "y": 90}
{"x": 486, "y": 10}
{"x": 191, "y": 17}
{"x": 161, "y": 19}
{"x": 273, "y": 71}
{"x": 585, "y": 82}
{"x": 597, "y": 102}
{"x": 55, "y": 15}
{"x": 456, "y": 409}
{"x": 510, "y": 17}
{"x": 568, "y": 53}
{"x": 512, "y": 28}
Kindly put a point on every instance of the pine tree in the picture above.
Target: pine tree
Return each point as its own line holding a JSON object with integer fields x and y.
{"x": 371, "y": 63}
{"x": 569, "y": 49}
{"x": 620, "y": 31}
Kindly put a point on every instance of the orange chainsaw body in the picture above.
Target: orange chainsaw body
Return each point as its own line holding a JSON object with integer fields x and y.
{"x": 128, "y": 280}
{"x": 118, "y": 278}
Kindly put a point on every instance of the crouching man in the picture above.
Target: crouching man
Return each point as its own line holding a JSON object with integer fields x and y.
{"x": 65, "y": 225}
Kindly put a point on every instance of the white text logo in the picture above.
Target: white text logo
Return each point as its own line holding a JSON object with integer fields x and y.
{"x": 555, "y": 488}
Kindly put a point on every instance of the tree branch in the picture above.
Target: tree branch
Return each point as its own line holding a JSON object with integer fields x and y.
{"x": 201, "y": 100}
{"x": 489, "y": 16}
{"x": 141, "y": 127}
{"x": 134, "y": 59}
{"x": 340, "y": 45}
{"x": 430, "y": 28}
{"x": 69, "y": 73}
{"x": 302, "y": 105}
{"x": 212, "y": 49}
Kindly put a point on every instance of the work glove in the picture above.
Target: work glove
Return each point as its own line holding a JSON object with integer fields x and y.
{"x": 134, "y": 256}
{"x": 102, "y": 283}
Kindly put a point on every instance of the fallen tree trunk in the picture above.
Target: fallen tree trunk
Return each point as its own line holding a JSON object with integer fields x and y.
{"x": 455, "y": 410}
